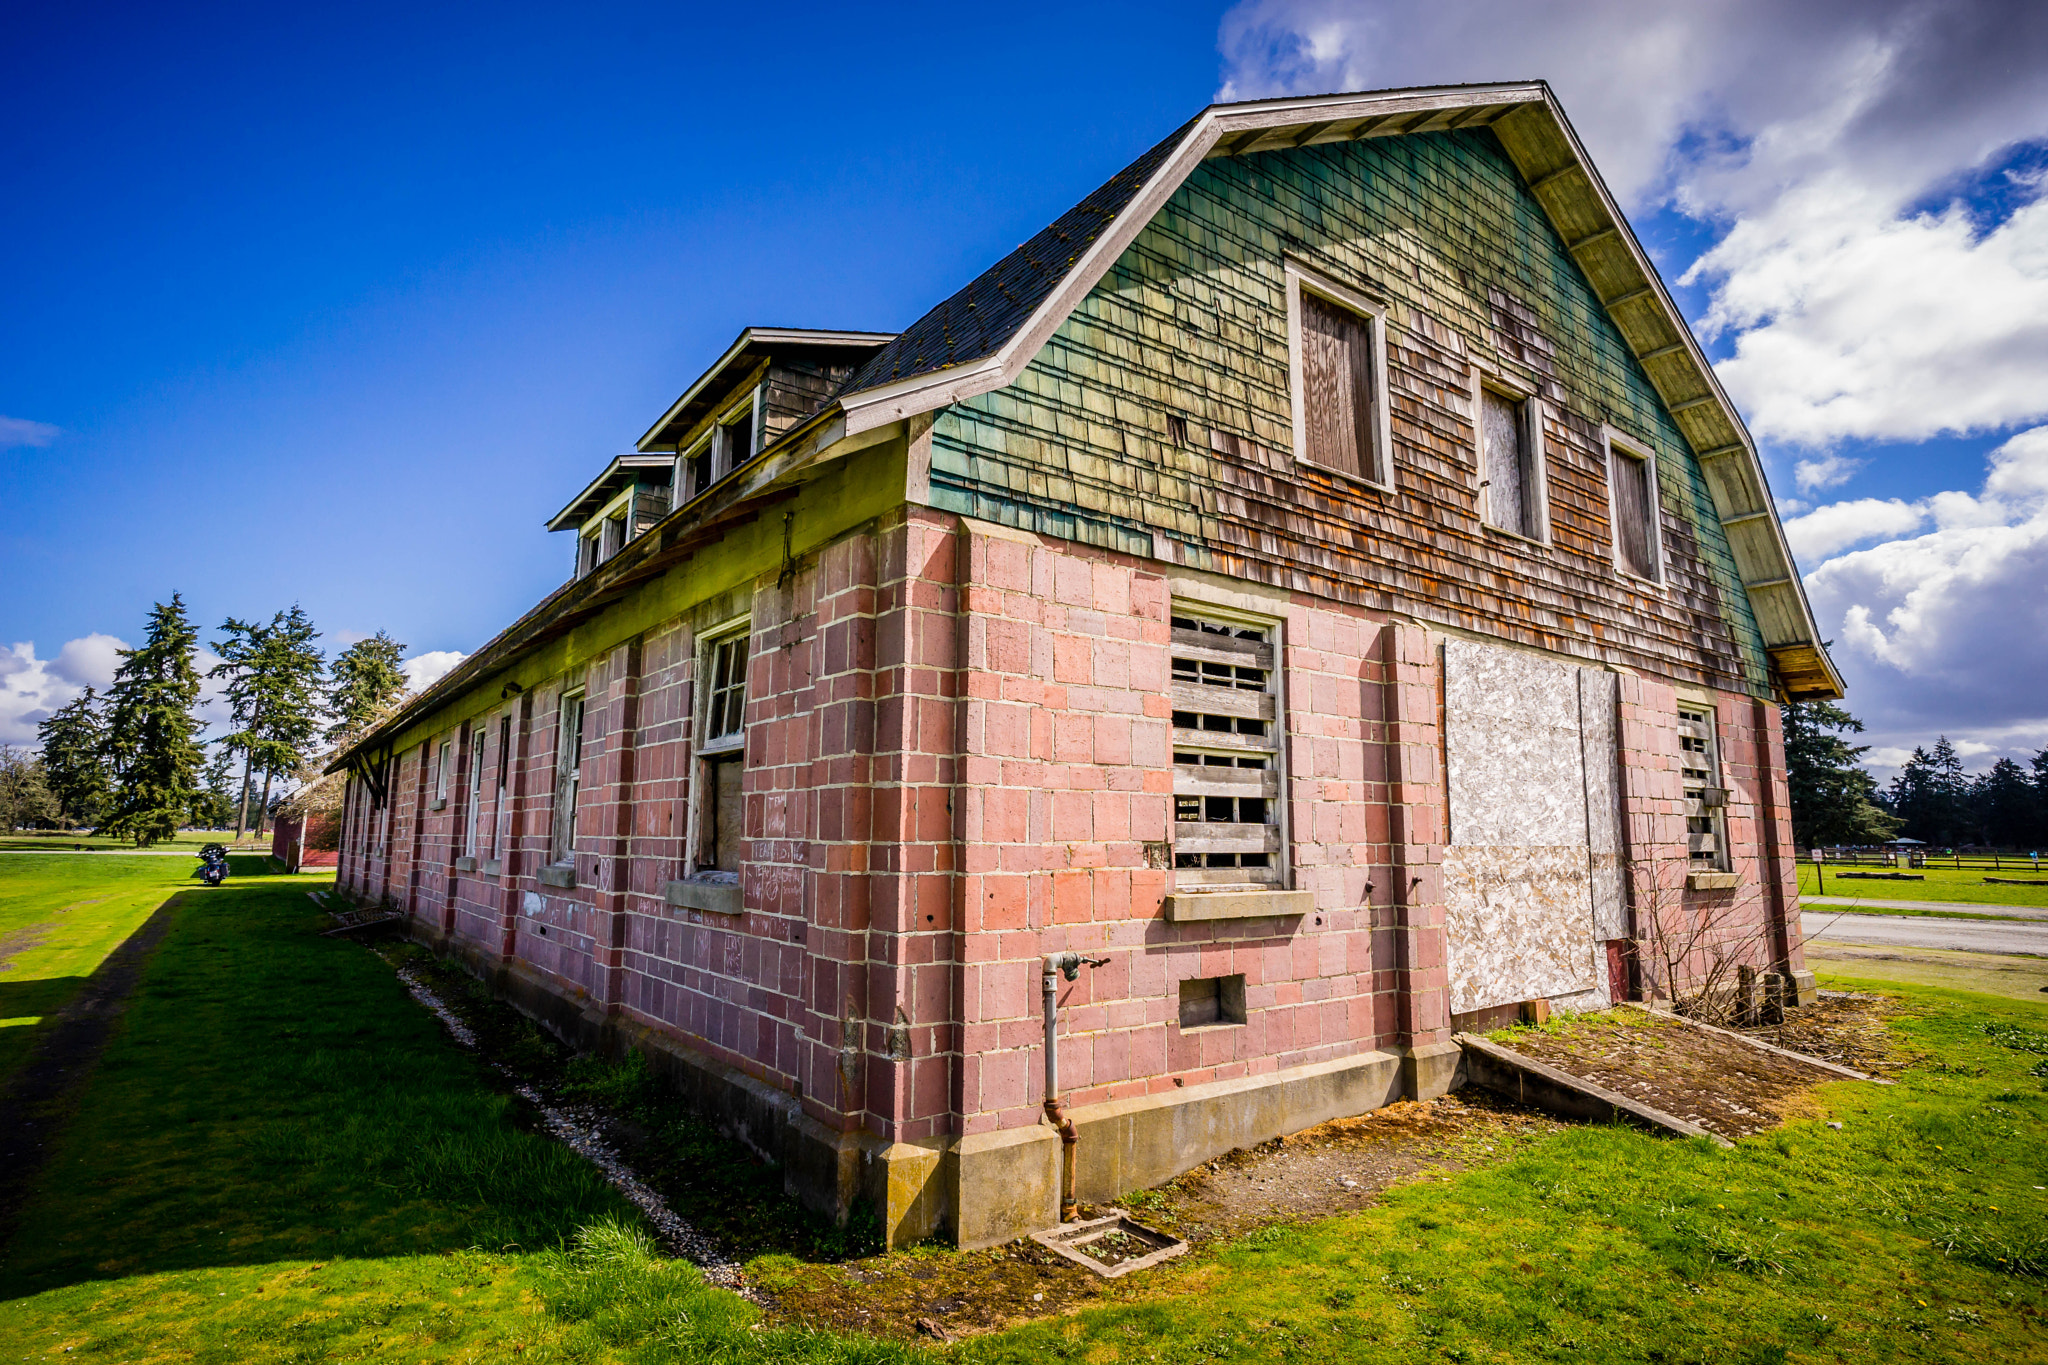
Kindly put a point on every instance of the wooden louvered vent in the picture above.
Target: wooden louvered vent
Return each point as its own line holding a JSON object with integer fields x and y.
{"x": 1700, "y": 767}
{"x": 1226, "y": 755}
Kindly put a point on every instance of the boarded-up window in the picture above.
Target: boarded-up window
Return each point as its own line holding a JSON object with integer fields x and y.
{"x": 722, "y": 821}
{"x": 1226, "y": 754}
{"x": 1705, "y": 799}
{"x": 1338, "y": 389}
{"x": 1211, "y": 1000}
{"x": 568, "y": 777}
{"x": 1634, "y": 513}
{"x": 1507, "y": 436}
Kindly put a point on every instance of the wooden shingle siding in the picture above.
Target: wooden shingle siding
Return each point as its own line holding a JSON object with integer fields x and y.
{"x": 796, "y": 390}
{"x": 1192, "y": 320}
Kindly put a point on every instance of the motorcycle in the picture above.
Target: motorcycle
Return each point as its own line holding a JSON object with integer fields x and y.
{"x": 213, "y": 864}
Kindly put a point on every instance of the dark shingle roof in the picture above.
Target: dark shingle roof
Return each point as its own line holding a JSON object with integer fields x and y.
{"x": 977, "y": 321}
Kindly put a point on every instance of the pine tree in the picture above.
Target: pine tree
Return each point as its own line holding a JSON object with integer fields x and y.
{"x": 1931, "y": 794}
{"x": 214, "y": 805}
{"x": 273, "y": 674}
{"x": 368, "y": 677}
{"x": 1834, "y": 801}
{"x": 74, "y": 741}
{"x": 2003, "y": 805}
{"x": 151, "y": 742}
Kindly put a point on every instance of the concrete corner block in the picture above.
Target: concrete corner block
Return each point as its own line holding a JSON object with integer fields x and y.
{"x": 1805, "y": 989}
{"x": 907, "y": 1184}
{"x": 1431, "y": 1069}
{"x": 1005, "y": 1184}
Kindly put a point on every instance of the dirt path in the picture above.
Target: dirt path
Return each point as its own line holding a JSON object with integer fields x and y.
{"x": 36, "y": 1100}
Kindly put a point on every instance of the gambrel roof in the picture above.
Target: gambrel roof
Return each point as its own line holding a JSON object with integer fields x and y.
{"x": 982, "y": 337}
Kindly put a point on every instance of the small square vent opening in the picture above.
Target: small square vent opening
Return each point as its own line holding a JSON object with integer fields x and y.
{"x": 1206, "y": 1001}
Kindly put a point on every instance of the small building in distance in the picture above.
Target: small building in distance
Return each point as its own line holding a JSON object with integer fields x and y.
{"x": 1319, "y": 576}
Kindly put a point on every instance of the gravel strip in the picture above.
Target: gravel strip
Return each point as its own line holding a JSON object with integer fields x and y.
{"x": 581, "y": 1130}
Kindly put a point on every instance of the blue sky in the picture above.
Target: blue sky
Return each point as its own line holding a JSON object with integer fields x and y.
{"x": 339, "y": 305}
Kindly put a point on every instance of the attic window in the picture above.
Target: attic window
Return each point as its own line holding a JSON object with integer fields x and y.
{"x": 1176, "y": 429}
{"x": 1337, "y": 341}
{"x": 1632, "y": 487}
{"x": 1511, "y": 462}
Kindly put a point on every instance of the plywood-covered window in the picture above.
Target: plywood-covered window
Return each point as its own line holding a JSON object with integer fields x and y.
{"x": 568, "y": 777}
{"x": 1226, "y": 753}
{"x": 1338, "y": 343}
{"x": 1706, "y": 800}
{"x": 1512, "y": 493}
{"x": 1632, "y": 487}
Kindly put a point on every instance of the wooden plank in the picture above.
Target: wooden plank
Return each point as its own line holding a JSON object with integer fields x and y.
{"x": 1217, "y": 741}
{"x": 1189, "y": 780}
{"x": 1222, "y": 701}
{"x": 1187, "y": 644}
{"x": 1202, "y": 836}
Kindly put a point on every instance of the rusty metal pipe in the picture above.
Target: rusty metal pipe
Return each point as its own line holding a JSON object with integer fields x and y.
{"x": 1055, "y": 1111}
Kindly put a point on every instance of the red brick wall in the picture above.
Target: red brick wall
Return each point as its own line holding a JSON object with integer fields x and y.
{"x": 958, "y": 759}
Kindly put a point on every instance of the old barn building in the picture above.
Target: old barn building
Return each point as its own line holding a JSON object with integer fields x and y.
{"x": 1319, "y": 578}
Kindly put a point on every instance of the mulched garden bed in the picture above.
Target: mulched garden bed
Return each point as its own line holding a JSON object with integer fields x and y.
{"x": 1717, "y": 1082}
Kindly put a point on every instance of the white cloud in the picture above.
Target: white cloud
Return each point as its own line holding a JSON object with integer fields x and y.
{"x": 424, "y": 670}
{"x": 1825, "y": 472}
{"x": 1825, "y": 530}
{"x": 1947, "y": 629}
{"x": 32, "y": 687}
{"x": 19, "y": 431}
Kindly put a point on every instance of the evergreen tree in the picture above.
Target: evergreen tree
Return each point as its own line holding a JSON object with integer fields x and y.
{"x": 1834, "y": 801}
{"x": 1931, "y": 795}
{"x": 214, "y": 805}
{"x": 274, "y": 673}
{"x": 151, "y": 743}
{"x": 368, "y": 677}
{"x": 25, "y": 799}
{"x": 2004, "y": 805}
{"x": 74, "y": 741}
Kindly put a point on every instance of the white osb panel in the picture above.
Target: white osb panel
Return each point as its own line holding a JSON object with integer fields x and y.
{"x": 1532, "y": 876}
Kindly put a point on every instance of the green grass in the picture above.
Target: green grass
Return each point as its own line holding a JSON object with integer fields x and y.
{"x": 184, "y": 839}
{"x": 281, "y": 1157}
{"x": 1942, "y": 884}
{"x": 60, "y": 917}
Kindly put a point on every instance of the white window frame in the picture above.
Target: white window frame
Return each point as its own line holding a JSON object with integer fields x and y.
{"x": 1283, "y": 870}
{"x": 443, "y": 764}
{"x": 703, "y": 753}
{"x": 1532, "y": 437}
{"x": 569, "y": 785}
{"x": 1630, "y": 448}
{"x": 478, "y": 730}
{"x": 1300, "y": 279}
{"x": 1709, "y": 764}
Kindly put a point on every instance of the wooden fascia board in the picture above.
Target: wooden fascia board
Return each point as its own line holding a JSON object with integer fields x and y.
{"x": 1701, "y": 387}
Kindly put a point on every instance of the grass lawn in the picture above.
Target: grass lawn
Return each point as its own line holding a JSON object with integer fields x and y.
{"x": 281, "y": 1157}
{"x": 184, "y": 839}
{"x": 60, "y": 917}
{"x": 1942, "y": 884}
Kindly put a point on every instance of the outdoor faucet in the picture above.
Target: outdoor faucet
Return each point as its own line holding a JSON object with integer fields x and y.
{"x": 1057, "y": 965}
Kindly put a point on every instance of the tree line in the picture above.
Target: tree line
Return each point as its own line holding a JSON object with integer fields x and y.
{"x": 133, "y": 762}
{"x": 1835, "y": 801}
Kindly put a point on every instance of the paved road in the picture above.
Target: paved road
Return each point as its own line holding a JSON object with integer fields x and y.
{"x": 1953, "y": 907}
{"x": 1970, "y": 935}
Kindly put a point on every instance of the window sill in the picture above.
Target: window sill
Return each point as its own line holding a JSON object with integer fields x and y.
{"x": 440, "y": 803}
{"x": 1188, "y": 907}
{"x": 720, "y": 898}
{"x": 1632, "y": 577}
{"x": 1712, "y": 881}
{"x": 492, "y": 867}
{"x": 560, "y": 876}
{"x": 1516, "y": 535}
{"x": 465, "y": 864}
{"x": 1361, "y": 480}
